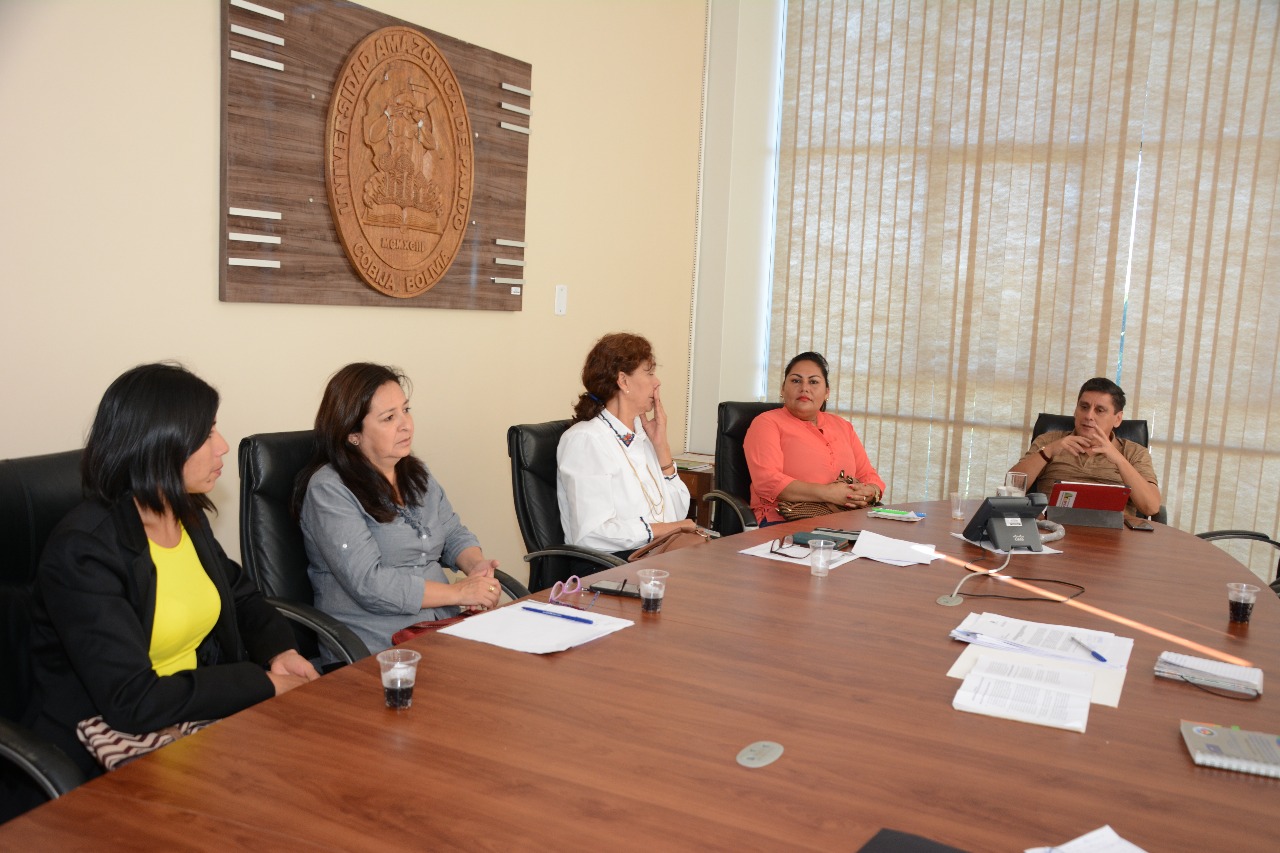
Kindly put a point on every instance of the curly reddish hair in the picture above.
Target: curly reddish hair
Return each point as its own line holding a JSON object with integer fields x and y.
{"x": 619, "y": 352}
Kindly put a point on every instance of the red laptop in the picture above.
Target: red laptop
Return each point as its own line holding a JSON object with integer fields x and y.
{"x": 1089, "y": 496}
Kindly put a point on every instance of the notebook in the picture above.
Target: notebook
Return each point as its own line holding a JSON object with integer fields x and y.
{"x": 1210, "y": 673}
{"x": 1231, "y": 748}
{"x": 1089, "y": 496}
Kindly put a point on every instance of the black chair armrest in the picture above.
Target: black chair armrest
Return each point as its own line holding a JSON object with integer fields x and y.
{"x": 745, "y": 517}
{"x": 1250, "y": 535}
{"x": 599, "y": 558}
{"x": 512, "y": 587}
{"x": 337, "y": 637}
{"x": 47, "y": 765}
{"x": 1238, "y": 534}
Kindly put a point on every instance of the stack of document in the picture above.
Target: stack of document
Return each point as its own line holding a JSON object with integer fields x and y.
{"x": 1058, "y": 642}
{"x": 1059, "y": 649}
{"x": 1210, "y": 673}
{"x": 695, "y": 462}
{"x": 1029, "y": 693}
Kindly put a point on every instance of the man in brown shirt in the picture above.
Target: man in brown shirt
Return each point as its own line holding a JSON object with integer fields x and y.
{"x": 1091, "y": 453}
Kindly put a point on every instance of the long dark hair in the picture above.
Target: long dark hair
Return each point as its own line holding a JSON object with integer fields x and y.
{"x": 149, "y": 422}
{"x": 342, "y": 411}
{"x": 816, "y": 358}
{"x": 616, "y": 353}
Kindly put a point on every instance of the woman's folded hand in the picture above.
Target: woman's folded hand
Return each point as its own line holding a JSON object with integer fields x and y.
{"x": 291, "y": 663}
{"x": 477, "y": 591}
{"x": 284, "y": 683}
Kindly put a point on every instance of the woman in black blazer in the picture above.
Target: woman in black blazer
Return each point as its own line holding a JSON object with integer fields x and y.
{"x": 140, "y": 615}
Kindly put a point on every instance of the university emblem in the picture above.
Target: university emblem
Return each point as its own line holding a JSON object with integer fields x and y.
{"x": 399, "y": 162}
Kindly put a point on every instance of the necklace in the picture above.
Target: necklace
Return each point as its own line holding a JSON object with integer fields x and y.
{"x": 657, "y": 506}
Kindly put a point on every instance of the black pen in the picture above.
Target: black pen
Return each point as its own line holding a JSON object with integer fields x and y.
{"x": 557, "y": 615}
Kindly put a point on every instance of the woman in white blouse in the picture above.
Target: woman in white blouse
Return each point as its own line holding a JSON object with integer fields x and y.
{"x": 616, "y": 479}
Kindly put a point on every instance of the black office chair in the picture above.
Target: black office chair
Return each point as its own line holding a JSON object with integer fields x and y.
{"x": 271, "y": 541}
{"x": 1250, "y": 535}
{"x": 271, "y": 548}
{"x": 731, "y": 497}
{"x": 1129, "y": 430}
{"x": 532, "y": 448}
{"x": 35, "y": 493}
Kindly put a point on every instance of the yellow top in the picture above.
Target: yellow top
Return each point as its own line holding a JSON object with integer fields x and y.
{"x": 187, "y": 606}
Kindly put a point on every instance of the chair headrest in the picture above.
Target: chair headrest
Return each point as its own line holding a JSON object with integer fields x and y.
{"x": 732, "y": 422}
{"x": 271, "y": 546}
{"x": 1130, "y": 430}
{"x": 532, "y": 448}
{"x": 35, "y": 493}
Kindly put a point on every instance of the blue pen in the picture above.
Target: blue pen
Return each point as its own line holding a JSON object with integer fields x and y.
{"x": 558, "y": 615}
{"x": 1079, "y": 642}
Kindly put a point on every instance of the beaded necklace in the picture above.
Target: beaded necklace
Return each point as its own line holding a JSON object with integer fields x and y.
{"x": 657, "y": 507}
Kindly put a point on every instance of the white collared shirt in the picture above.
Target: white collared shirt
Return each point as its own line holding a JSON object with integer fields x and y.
{"x": 606, "y": 503}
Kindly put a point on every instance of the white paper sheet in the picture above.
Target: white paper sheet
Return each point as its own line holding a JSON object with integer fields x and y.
{"x": 513, "y": 627}
{"x": 1101, "y": 840}
{"x": 1108, "y": 683}
{"x": 1043, "y": 639}
{"x": 895, "y": 552}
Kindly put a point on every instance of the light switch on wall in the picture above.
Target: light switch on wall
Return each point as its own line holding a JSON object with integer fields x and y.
{"x": 562, "y": 299}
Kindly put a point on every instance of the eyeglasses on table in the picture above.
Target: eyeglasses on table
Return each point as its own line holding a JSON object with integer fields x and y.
{"x": 780, "y": 546}
{"x": 567, "y": 591}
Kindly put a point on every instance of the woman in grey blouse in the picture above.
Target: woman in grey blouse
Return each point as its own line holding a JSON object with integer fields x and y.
{"x": 377, "y": 526}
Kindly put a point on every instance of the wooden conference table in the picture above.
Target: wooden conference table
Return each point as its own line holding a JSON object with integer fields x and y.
{"x": 630, "y": 742}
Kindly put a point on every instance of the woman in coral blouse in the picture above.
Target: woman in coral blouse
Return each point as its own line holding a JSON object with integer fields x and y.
{"x": 798, "y": 452}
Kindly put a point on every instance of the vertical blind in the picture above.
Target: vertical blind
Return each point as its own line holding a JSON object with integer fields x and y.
{"x": 983, "y": 204}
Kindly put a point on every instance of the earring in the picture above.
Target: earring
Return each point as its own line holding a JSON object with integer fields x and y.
{"x": 354, "y": 441}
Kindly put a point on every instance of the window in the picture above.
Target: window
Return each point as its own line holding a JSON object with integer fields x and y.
{"x": 982, "y": 205}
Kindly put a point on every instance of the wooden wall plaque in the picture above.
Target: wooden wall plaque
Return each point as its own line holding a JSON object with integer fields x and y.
{"x": 281, "y": 66}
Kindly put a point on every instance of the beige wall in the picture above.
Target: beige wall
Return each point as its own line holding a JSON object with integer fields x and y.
{"x": 108, "y": 232}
